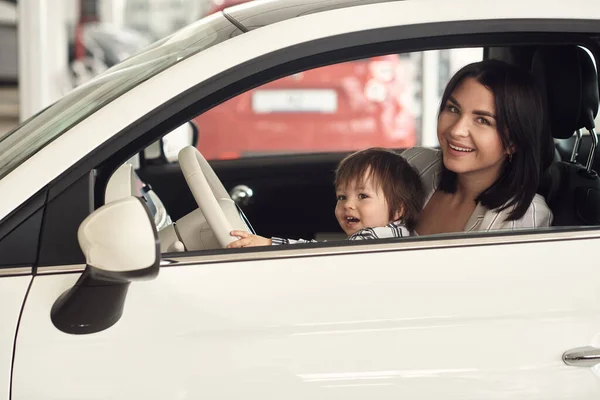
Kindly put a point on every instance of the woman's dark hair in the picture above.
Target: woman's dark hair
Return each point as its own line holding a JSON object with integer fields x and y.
{"x": 522, "y": 124}
{"x": 399, "y": 181}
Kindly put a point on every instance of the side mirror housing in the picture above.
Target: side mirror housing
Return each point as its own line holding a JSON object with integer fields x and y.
{"x": 120, "y": 244}
{"x": 119, "y": 241}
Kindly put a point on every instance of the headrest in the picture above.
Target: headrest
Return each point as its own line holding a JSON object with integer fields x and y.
{"x": 589, "y": 94}
{"x": 558, "y": 73}
{"x": 567, "y": 76}
{"x": 122, "y": 184}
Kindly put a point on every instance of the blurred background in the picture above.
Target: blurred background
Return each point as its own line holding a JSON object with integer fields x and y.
{"x": 47, "y": 48}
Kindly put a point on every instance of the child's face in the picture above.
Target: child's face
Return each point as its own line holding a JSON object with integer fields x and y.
{"x": 361, "y": 206}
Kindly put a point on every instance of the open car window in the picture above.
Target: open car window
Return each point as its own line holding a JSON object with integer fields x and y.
{"x": 263, "y": 142}
{"x": 281, "y": 181}
{"x": 379, "y": 101}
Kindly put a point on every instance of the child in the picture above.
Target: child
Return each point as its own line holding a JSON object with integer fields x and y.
{"x": 379, "y": 195}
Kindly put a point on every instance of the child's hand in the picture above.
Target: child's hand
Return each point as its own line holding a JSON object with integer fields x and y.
{"x": 248, "y": 240}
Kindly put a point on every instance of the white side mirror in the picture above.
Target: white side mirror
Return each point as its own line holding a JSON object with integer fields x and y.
{"x": 119, "y": 238}
{"x": 120, "y": 244}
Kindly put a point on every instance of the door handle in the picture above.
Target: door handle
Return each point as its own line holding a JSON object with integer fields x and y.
{"x": 582, "y": 356}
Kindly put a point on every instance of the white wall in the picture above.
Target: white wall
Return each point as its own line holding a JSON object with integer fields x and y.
{"x": 43, "y": 52}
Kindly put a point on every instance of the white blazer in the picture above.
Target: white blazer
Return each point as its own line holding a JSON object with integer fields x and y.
{"x": 428, "y": 162}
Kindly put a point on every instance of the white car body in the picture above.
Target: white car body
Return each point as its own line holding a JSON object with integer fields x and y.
{"x": 466, "y": 318}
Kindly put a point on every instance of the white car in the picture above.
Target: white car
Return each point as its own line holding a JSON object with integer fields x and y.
{"x": 103, "y": 297}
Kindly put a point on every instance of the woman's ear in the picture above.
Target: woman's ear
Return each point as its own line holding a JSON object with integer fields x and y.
{"x": 511, "y": 149}
{"x": 510, "y": 152}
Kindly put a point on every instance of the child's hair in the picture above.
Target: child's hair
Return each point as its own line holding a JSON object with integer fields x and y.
{"x": 399, "y": 181}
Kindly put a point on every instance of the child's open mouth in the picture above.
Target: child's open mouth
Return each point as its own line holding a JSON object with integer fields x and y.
{"x": 352, "y": 220}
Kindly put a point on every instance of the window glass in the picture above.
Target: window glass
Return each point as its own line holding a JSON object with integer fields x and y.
{"x": 378, "y": 101}
{"x": 18, "y": 145}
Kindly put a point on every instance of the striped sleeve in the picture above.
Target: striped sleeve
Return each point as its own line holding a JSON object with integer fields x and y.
{"x": 538, "y": 215}
{"x": 392, "y": 230}
{"x": 428, "y": 163}
{"x": 275, "y": 241}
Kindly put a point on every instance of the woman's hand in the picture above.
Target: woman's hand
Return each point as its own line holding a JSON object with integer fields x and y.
{"x": 248, "y": 240}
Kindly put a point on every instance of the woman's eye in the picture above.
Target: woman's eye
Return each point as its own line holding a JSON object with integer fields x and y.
{"x": 452, "y": 109}
{"x": 483, "y": 121}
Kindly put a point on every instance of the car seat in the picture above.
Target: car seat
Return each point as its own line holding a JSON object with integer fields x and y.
{"x": 568, "y": 78}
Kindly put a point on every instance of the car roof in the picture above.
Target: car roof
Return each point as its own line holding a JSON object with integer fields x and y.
{"x": 259, "y": 13}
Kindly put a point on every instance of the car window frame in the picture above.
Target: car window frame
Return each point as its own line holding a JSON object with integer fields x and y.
{"x": 288, "y": 60}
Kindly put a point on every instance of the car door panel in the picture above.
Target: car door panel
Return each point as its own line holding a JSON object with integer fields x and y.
{"x": 293, "y": 196}
{"x": 12, "y": 295}
{"x": 466, "y": 322}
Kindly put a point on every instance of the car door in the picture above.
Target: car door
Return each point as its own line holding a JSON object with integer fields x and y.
{"x": 465, "y": 318}
{"x": 12, "y": 296}
{"x": 19, "y": 235}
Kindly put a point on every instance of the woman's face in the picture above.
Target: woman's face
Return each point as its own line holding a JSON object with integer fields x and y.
{"x": 468, "y": 133}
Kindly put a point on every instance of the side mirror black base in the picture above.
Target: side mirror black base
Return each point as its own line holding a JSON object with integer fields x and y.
{"x": 119, "y": 236}
{"x": 91, "y": 305}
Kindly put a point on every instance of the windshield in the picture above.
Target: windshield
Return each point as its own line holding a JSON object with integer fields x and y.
{"x": 39, "y": 130}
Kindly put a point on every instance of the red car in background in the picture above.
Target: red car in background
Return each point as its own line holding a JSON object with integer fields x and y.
{"x": 341, "y": 107}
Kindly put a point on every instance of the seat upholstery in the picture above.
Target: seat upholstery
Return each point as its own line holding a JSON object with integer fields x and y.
{"x": 121, "y": 185}
{"x": 568, "y": 77}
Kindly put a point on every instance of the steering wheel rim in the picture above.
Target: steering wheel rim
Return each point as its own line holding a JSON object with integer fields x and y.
{"x": 210, "y": 195}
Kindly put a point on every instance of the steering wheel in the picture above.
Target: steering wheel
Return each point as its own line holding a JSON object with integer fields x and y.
{"x": 214, "y": 202}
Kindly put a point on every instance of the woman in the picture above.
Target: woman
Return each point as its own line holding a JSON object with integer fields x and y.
{"x": 494, "y": 147}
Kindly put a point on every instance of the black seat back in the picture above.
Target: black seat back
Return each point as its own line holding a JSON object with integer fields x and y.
{"x": 569, "y": 79}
